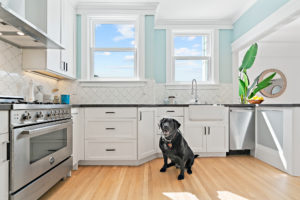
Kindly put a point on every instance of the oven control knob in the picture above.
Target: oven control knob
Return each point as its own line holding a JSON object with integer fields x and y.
{"x": 26, "y": 116}
{"x": 48, "y": 115}
{"x": 39, "y": 115}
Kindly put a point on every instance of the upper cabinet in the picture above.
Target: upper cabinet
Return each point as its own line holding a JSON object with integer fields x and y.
{"x": 67, "y": 37}
{"x": 56, "y": 18}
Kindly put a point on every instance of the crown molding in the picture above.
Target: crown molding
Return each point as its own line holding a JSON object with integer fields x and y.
{"x": 192, "y": 24}
{"x": 147, "y": 8}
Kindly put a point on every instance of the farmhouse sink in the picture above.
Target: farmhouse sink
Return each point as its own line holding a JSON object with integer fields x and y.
{"x": 207, "y": 112}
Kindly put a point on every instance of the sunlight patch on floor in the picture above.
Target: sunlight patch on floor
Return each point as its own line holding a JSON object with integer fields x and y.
{"x": 225, "y": 195}
{"x": 180, "y": 195}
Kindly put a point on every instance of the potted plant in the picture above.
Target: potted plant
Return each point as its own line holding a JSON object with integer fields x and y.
{"x": 247, "y": 91}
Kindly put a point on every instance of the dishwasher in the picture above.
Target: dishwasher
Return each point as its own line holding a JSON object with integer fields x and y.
{"x": 241, "y": 128}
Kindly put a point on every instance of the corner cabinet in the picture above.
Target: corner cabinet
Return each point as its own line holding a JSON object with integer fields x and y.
{"x": 146, "y": 132}
{"x": 206, "y": 129}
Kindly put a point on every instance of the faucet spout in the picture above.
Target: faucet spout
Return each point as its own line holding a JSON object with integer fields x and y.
{"x": 194, "y": 81}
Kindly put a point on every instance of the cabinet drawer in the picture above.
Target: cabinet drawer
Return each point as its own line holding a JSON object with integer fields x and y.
{"x": 3, "y": 122}
{"x": 121, "y": 150}
{"x": 170, "y": 111}
{"x": 117, "y": 128}
{"x": 110, "y": 112}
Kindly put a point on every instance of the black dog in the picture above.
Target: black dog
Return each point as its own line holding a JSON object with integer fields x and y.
{"x": 174, "y": 146}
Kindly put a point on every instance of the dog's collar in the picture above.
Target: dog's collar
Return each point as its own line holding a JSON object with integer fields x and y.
{"x": 168, "y": 140}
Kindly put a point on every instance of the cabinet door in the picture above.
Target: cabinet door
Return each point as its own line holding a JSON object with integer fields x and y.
{"x": 216, "y": 139}
{"x": 194, "y": 135}
{"x": 3, "y": 167}
{"x": 146, "y": 132}
{"x": 75, "y": 137}
{"x": 67, "y": 37}
{"x": 54, "y": 19}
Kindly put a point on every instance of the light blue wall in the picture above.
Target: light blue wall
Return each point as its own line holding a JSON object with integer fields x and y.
{"x": 225, "y": 57}
{"x": 258, "y": 12}
{"x": 155, "y": 47}
{"x": 78, "y": 46}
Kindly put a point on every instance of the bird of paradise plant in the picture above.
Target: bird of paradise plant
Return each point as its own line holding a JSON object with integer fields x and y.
{"x": 247, "y": 91}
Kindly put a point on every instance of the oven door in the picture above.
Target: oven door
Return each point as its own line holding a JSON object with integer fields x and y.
{"x": 36, "y": 149}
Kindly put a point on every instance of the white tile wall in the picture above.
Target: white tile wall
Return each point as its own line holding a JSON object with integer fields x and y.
{"x": 13, "y": 80}
{"x": 149, "y": 94}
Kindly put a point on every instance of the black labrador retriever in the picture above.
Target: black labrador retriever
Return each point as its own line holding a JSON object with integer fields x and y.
{"x": 174, "y": 146}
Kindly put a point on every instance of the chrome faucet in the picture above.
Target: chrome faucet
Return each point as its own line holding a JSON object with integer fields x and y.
{"x": 196, "y": 89}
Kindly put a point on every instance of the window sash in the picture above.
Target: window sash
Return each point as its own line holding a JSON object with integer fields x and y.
{"x": 92, "y": 68}
{"x": 209, "y": 35}
{"x": 199, "y": 58}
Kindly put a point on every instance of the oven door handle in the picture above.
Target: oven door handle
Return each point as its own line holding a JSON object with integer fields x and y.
{"x": 41, "y": 131}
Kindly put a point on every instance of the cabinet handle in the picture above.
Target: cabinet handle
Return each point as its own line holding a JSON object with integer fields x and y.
{"x": 110, "y": 128}
{"x": 170, "y": 111}
{"x": 141, "y": 116}
{"x": 66, "y": 66}
{"x": 4, "y": 150}
{"x": 109, "y": 112}
{"x": 208, "y": 130}
{"x": 110, "y": 149}
{"x": 204, "y": 130}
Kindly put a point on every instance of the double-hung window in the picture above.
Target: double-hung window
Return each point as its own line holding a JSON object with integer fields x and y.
{"x": 114, "y": 49}
{"x": 191, "y": 57}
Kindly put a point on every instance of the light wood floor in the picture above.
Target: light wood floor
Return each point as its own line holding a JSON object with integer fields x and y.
{"x": 230, "y": 178}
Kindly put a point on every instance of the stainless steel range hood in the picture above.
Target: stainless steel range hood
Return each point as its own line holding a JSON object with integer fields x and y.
{"x": 19, "y": 32}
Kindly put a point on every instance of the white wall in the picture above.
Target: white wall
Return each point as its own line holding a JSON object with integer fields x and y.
{"x": 282, "y": 56}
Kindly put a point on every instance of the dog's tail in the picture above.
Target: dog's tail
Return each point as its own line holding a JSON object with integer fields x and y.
{"x": 195, "y": 156}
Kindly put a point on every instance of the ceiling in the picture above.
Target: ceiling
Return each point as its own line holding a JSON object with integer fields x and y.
{"x": 287, "y": 33}
{"x": 195, "y": 9}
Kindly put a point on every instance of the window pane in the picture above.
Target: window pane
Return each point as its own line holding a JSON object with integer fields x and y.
{"x": 114, "y": 64}
{"x": 187, "y": 70}
{"x": 190, "y": 46}
{"x": 114, "y": 35}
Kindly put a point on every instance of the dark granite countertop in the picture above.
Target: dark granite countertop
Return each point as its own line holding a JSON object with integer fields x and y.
{"x": 181, "y": 105}
{"x": 5, "y": 106}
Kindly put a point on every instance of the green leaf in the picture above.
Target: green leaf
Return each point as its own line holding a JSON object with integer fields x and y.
{"x": 246, "y": 79}
{"x": 253, "y": 84}
{"x": 249, "y": 57}
{"x": 242, "y": 91}
{"x": 263, "y": 84}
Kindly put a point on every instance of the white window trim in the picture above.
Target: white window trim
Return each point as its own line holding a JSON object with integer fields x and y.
{"x": 214, "y": 62}
{"x": 87, "y": 32}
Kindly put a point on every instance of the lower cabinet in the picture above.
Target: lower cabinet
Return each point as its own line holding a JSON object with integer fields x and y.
{"x": 146, "y": 132}
{"x": 118, "y": 150}
{"x": 4, "y": 163}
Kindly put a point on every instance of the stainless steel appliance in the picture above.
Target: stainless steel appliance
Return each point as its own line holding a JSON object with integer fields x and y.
{"x": 241, "y": 128}
{"x": 40, "y": 147}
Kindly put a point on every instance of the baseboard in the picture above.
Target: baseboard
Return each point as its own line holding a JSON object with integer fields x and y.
{"x": 269, "y": 156}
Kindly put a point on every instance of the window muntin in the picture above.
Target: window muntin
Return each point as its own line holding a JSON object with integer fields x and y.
{"x": 191, "y": 57}
{"x": 114, "y": 51}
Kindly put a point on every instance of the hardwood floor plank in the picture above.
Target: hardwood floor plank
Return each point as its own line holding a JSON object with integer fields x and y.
{"x": 234, "y": 177}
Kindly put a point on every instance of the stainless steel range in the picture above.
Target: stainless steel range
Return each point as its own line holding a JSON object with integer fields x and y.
{"x": 40, "y": 148}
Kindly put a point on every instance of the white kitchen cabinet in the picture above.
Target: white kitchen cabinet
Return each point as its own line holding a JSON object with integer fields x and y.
{"x": 67, "y": 38}
{"x": 76, "y": 132}
{"x": 4, "y": 163}
{"x": 206, "y": 130}
{"x": 146, "y": 132}
{"x": 110, "y": 134}
{"x": 56, "y": 18}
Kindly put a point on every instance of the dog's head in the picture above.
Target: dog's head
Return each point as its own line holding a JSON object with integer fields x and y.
{"x": 169, "y": 126}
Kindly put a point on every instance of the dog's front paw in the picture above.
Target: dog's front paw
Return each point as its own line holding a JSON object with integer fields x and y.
{"x": 189, "y": 171}
{"x": 163, "y": 169}
{"x": 180, "y": 177}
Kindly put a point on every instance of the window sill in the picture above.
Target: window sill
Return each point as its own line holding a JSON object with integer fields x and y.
{"x": 185, "y": 86}
{"x": 112, "y": 83}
